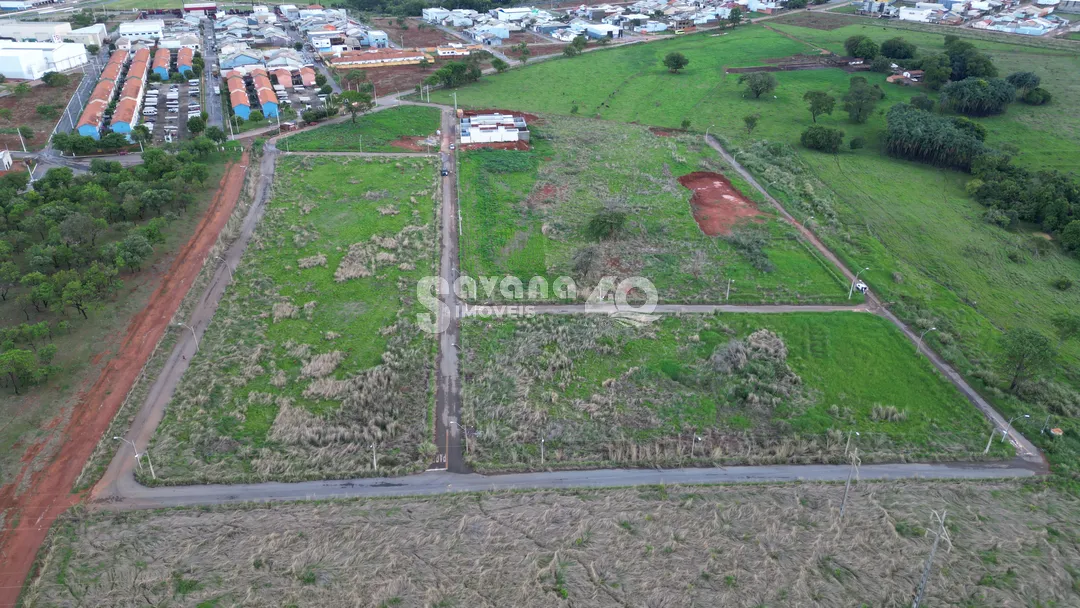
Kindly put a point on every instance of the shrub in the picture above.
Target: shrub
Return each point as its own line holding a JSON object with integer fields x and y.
{"x": 856, "y": 143}
{"x": 606, "y": 224}
{"x": 923, "y": 103}
{"x": 822, "y": 138}
{"x": 998, "y": 218}
{"x": 255, "y": 116}
{"x": 1062, "y": 283}
{"x": 1036, "y": 97}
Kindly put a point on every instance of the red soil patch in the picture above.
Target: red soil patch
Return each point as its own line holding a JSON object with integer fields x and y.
{"x": 502, "y": 145}
{"x": 411, "y": 144}
{"x": 49, "y": 492}
{"x": 660, "y": 132}
{"x": 716, "y": 204}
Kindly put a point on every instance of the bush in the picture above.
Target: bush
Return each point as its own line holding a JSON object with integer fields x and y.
{"x": 606, "y": 224}
{"x": 856, "y": 143}
{"x": 255, "y": 116}
{"x": 923, "y": 103}
{"x": 1062, "y": 283}
{"x": 999, "y": 218}
{"x": 1036, "y": 97}
{"x": 822, "y": 138}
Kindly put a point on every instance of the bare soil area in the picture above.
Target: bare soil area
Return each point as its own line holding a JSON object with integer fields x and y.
{"x": 24, "y": 113}
{"x": 716, "y": 204}
{"x": 414, "y": 37}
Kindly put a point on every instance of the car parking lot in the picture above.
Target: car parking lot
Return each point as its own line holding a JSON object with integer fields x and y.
{"x": 168, "y": 106}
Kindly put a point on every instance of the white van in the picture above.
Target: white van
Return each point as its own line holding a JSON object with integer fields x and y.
{"x": 149, "y": 112}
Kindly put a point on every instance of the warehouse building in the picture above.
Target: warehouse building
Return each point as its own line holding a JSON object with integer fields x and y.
{"x": 30, "y": 60}
{"x": 43, "y": 31}
{"x": 142, "y": 29}
{"x": 493, "y": 128}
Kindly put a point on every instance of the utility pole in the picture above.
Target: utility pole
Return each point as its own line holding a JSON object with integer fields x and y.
{"x": 853, "y": 471}
{"x": 727, "y": 295}
{"x": 941, "y": 533}
{"x": 541, "y": 451}
{"x": 22, "y": 142}
{"x": 853, "y": 281}
{"x": 374, "y": 459}
{"x": 455, "y": 103}
{"x": 990, "y": 440}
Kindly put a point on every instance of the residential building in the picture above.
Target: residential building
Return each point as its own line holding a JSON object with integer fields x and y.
{"x": 238, "y": 96}
{"x": 284, "y": 77}
{"x": 30, "y": 60}
{"x": 289, "y": 11}
{"x": 264, "y": 90}
{"x": 493, "y": 128}
{"x": 142, "y": 29}
{"x": 162, "y": 60}
{"x": 435, "y": 15}
{"x": 307, "y": 76}
{"x": 184, "y": 58}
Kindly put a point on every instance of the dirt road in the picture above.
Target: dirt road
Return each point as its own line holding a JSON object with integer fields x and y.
{"x": 28, "y": 515}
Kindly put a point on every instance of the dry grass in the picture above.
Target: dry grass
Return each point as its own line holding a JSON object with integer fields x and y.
{"x": 773, "y": 546}
{"x": 312, "y": 261}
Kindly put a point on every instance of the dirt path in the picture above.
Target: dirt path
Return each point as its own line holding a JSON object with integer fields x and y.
{"x": 28, "y": 515}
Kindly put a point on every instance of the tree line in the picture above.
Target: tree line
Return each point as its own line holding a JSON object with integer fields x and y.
{"x": 65, "y": 243}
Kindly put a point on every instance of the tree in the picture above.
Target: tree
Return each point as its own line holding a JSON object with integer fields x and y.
{"x": 356, "y": 102}
{"x": 1026, "y": 354}
{"x": 822, "y": 138}
{"x": 196, "y": 125}
{"x": 46, "y": 111}
{"x": 216, "y": 134}
{"x": 735, "y": 17}
{"x": 820, "y": 103}
{"x": 1023, "y": 81}
{"x": 759, "y": 83}
{"x": 320, "y": 80}
{"x": 750, "y": 121}
{"x": 177, "y": 78}
{"x": 499, "y": 65}
{"x": 455, "y": 74}
{"x": 55, "y": 79}
{"x": 853, "y": 43}
{"x": 133, "y": 251}
{"x": 326, "y": 89}
{"x": 141, "y": 135}
{"x": 867, "y": 50}
{"x": 299, "y": 46}
{"x": 354, "y": 78}
{"x": 256, "y": 116}
{"x": 937, "y": 70}
{"x": 917, "y": 135}
{"x": 9, "y": 277}
{"x": 523, "y": 52}
{"x": 571, "y": 51}
{"x": 675, "y": 61}
{"x": 923, "y": 102}
{"x": 881, "y": 64}
{"x": 580, "y": 42}
{"x": 860, "y": 99}
{"x": 93, "y": 49}
{"x": 978, "y": 96}
{"x": 1070, "y": 236}
{"x": 606, "y": 224}
{"x": 898, "y": 48}
{"x": 20, "y": 366}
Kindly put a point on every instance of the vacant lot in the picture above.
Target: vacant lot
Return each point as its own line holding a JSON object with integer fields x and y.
{"x": 529, "y": 213}
{"x": 755, "y": 388}
{"x": 39, "y": 109}
{"x": 399, "y": 129}
{"x": 1009, "y": 545}
{"x": 929, "y": 250}
{"x": 415, "y": 32}
{"x": 312, "y": 356}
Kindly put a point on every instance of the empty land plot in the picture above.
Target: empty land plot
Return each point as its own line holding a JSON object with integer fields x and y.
{"x": 400, "y": 129}
{"x": 312, "y": 355}
{"x": 39, "y": 110}
{"x": 528, "y": 213}
{"x": 1010, "y": 545}
{"x": 751, "y": 388}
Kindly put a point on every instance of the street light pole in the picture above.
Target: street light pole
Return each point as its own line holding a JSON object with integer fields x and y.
{"x": 186, "y": 326}
{"x": 918, "y": 345}
{"x": 727, "y": 294}
{"x": 707, "y": 132}
{"x": 136, "y": 450}
{"x": 1008, "y": 426}
{"x": 853, "y": 281}
{"x": 223, "y": 261}
{"x": 374, "y": 459}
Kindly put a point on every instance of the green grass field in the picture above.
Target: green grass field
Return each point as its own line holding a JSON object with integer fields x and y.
{"x": 373, "y": 132}
{"x": 931, "y": 254}
{"x": 598, "y": 391}
{"x": 525, "y": 214}
{"x": 313, "y": 349}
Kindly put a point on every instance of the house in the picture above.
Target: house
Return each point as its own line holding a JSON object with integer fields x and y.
{"x": 493, "y": 128}
{"x": 378, "y": 39}
{"x": 142, "y": 29}
{"x": 289, "y": 11}
{"x": 284, "y": 77}
{"x": 914, "y": 14}
{"x": 238, "y": 97}
{"x": 264, "y": 90}
{"x": 511, "y": 14}
{"x": 162, "y": 59}
{"x": 30, "y": 60}
{"x": 92, "y": 118}
{"x": 239, "y": 58}
{"x": 434, "y": 15}
{"x": 184, "y": 58}
{"x": 376, "y": 58}
{"x": 456, "y": 49}
{"x": 307, "y": 76}
{"x": 126, "y": 114}
{"x": 651, "y": 27}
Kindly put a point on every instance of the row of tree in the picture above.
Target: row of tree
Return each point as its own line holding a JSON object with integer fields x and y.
{"x": 65, "y": 242}
{"x": 923, "y": 136}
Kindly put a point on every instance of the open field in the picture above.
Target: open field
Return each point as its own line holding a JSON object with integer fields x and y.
{"x": 312, "y": 355}
{"x": 397, "y": 129}
{"x": 22, "y": 111}
{"x": 32, "y": 423}
{"x": 598, "y": 391}
{"x": 1009, "y": 545}
{"x": 526, "y": 214}
{"x": 931, "y": 254}
{"x": 416, "y": 34}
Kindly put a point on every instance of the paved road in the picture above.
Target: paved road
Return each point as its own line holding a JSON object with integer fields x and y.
{"x": 211, "y": 86}
{"x": 439, "y": 482}
{"x": 1025, "y": 448}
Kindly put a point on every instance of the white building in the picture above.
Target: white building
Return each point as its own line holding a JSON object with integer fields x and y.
{"x": 915, "y": 14}
{"x": 493, "y": 128}
{"x": 30, "y": 60}
{"x": 20, "y": 5}
{"x": 142, "y": 29}
{"x": 44, "y": 31}
{"x": 512, "y": 14}
{"x": 289, "y": 11}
